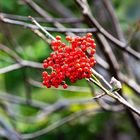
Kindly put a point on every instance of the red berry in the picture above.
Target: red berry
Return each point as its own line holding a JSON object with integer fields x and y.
{"x": 45, "y": 65}
{"x": 89, "y": 35}
{"x": 58, "y": 37}
{"x": 69, "y": 61}
{"x": 68, "y": 38}
{"x": 92, "y": 51}
{"x": 44, "y": 74}
{"x": 65, "y": 86}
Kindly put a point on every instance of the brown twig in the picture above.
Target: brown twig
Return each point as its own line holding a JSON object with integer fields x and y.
{"x": 93, "y": 22}
{"x": 109, "y": 7}
{"x": 50, "y": 29}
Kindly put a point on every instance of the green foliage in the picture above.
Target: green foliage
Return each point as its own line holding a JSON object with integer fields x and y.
{"x": 31, "y": 47}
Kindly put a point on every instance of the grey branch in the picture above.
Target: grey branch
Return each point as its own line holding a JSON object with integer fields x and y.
{"x": 11, "y": 134}
{"x": 59, "y": 123}
{"x": 19, "y": 100}
{"x": 50, "y": 29}
{"x": 43, "y": 20}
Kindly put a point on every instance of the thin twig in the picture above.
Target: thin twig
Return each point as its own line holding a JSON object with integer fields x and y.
{"x": 94, "y": 23}
{"x": 70, "y": 87}
{"x": 40, "y": 27}
{"x": 10, "y": 52}
{"x": 59, "y": 123}
{"x": 21, "y": 101}
{"x": 50, "y": 29}
{"x": 116, "y": 96}
{"x": 25, "y": 63}
{"x": 11, "y": 134}
{"x": 43, "y": 20}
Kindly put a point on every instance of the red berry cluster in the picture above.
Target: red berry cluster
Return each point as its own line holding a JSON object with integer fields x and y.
{"x": 73, "y": 61}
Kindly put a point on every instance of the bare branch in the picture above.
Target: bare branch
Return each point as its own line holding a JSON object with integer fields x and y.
{"x": 112, "y": 15}
{"x": 117, "y": 97}
{"x": 10, "y": 52}
{"x": 50, "y": 29}
{"x": 109, "y": 55}
{"x": 93, "y": 22}
{"x": 43, "y": 20}
{"x": 19, "y": 100}
{"x": 59, "y": 123}
{"x": 10, "y": 68}
{"x": 11, "y": 134}
{"x": 23, "y": 63}
{"x": 70, "y": 88}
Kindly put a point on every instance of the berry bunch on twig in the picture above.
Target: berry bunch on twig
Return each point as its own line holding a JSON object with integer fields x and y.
{"x": 73, "y": 61}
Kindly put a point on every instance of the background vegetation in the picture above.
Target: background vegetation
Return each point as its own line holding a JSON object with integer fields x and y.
{"x": 27, "y": 107}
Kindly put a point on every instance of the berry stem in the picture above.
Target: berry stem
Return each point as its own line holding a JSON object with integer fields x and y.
{"x": 45, "y": 31}
{"x": 115, "y": 96}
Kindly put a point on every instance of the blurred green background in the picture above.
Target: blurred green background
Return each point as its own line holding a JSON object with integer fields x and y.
{"x": 96, "y": 125}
